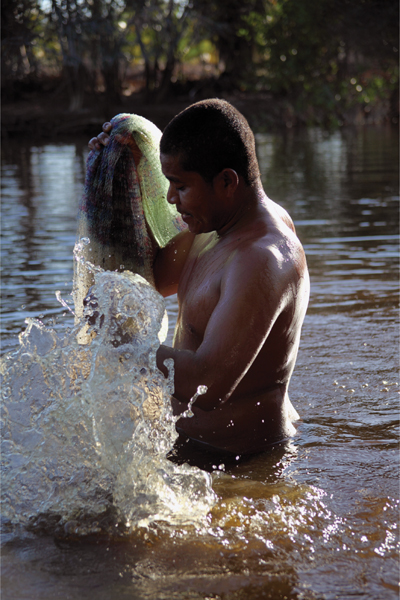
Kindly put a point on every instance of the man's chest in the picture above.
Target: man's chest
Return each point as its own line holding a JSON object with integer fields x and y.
{"x": 199, "y": 288}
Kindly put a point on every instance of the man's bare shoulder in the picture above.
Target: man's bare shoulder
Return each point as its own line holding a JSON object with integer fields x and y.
{"x": 274, "y": 251}
{"x": 272, "y": 232}
{"x": 269, "y": 251}
{"x": 280, "y": 213}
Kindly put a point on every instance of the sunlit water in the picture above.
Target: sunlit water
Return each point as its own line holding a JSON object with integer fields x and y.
{"x": 316, "y": 518}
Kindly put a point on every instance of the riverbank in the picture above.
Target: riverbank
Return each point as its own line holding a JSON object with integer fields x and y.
{"x": 43, "y": 114}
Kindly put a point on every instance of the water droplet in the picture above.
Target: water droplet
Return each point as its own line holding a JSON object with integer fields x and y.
{"x": 202, "y": 389}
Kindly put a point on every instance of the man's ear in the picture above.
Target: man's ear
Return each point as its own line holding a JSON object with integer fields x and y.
{"x": 228, "y": 179}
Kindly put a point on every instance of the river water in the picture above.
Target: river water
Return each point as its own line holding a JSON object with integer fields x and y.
{"x": 313, "y": 519}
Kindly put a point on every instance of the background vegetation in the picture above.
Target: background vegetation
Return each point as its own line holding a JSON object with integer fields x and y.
{"x": 322, "y": 61}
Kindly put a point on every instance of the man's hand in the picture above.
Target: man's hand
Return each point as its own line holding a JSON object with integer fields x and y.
{"x": 102, "y": 139}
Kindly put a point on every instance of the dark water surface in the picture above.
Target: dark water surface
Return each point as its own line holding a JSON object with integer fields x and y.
{"x": 316, "y": 518}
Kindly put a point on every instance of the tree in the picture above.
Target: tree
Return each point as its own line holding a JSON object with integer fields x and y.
{"x": 159, "y": 27}
{"x": 20, "y": 28}
{"x": 316, "y": 53}
{"x": 69, "y": 19}
{"x": 234, "y": 34}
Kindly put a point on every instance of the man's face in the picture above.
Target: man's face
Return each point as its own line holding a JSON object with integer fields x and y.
{"x": 194, "y": 198}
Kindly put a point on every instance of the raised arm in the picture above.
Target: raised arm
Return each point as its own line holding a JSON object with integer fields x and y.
{"x": 169, "y": 262}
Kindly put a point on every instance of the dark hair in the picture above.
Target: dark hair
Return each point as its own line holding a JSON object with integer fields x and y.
{"x": 210, "y": 136}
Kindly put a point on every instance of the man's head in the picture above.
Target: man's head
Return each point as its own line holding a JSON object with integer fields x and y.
{"x": 210, "y": 136}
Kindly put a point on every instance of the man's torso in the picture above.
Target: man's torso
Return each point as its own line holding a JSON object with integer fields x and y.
{"x": 259, "y": 406}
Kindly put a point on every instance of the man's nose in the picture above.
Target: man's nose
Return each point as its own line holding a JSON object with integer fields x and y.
{"x": 172, "y": 195}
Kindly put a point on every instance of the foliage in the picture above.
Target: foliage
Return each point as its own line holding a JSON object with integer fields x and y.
{"x": 324, "y": 54}
{"x": 159, "y": 28}
{"x": 20, "y": 29}
{"x": 318, "y": 58}
{"x": 233, "y": 33}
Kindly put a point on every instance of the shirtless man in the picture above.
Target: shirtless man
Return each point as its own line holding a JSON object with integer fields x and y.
{"x": 242, "y": 282}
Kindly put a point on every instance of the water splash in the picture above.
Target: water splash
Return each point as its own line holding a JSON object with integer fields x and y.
{"x": 201, "y": 389}
{"x": 86, "y": 426}
{"x": 63, "y": 303}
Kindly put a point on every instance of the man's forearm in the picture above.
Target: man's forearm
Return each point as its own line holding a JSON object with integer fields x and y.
{"x": 184, "y": 389}
{"x": 187, "y": 374}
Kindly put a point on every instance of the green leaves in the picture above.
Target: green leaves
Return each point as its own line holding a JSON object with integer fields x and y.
{"x": 305, "y": 53}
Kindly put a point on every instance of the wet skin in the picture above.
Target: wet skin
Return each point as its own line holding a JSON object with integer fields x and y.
{"x": 243, "y": 287}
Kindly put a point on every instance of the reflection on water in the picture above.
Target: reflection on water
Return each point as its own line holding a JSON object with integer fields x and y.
{"x": 315, "y": 518}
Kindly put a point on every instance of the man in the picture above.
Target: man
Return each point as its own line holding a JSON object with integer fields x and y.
{"x": 242, "y": 282}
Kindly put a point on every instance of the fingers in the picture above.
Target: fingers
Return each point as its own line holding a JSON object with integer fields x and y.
{"x": 102, "y": 139}
{"x": 96, "y": 143}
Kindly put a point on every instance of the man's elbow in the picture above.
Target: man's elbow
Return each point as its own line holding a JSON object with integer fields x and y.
{"x": 167, "y": 290}
{"x": 164, "y": 283}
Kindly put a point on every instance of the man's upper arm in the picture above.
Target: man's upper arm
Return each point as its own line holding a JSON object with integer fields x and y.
{"x": 169, "y": 262}
{"x": 252, "y": 297}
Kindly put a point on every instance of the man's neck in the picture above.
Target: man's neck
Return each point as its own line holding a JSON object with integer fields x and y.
{"x": 247, "y": 202}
